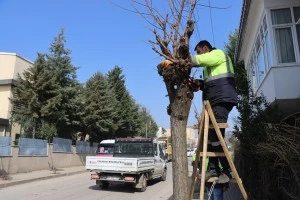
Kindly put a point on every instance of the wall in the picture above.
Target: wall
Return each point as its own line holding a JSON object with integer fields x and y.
{"x": 22, "y": 164}
{"x": 281, "y": 83}
{"x": 190, "y": 137}
{"x": 20, "y": 66}
{"x": 5, "y": 93}
{"x": 7, "y": 63}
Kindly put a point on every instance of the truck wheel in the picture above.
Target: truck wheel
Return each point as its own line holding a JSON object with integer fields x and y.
{"x": 104, "y": 185}
{"x": 143, "y": 182}
{"x": 164, "y": 175}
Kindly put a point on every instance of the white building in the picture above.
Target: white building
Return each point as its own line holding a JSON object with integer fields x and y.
{"x": 269, "y": 44}
{"x": 161, "y": 132}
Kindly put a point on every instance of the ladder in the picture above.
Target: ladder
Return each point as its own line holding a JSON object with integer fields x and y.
{"x": 207, "y": 116}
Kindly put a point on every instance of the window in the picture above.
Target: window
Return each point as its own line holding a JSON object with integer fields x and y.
{"x": 261, "y": 60}
{"x": 252, "y": 73}
{"x": 261, "y": 66}
{"x": 285, "y": 46}
{"x": 297, "y": 23}
{"x": 286, "y": 27}
{"x": 267, "y": 49}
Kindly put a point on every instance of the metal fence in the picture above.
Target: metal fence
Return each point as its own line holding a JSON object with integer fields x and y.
{"x": 5, "y": 146}
{"x": 82, "y": 147}
{"x": 93, "y": 148}
{"x": 32, "y": 147}
{"x": 62, "y": 145}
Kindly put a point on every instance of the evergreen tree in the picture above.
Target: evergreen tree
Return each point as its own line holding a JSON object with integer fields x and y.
{"x": 46, "y": 96}
{"x": 99, "y": 104}
{"x": 149, "y": 126}
{"x": 127, "y": 119}
{"x": 252, "y": 132}
{"x": 65, "y": 108}
{"x": 33, "y": 91}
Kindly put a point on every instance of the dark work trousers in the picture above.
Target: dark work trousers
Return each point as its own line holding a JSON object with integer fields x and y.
{"x": 221, "y": 112}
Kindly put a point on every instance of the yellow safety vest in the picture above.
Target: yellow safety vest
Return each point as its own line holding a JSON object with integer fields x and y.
{"x": 216, "y": 65}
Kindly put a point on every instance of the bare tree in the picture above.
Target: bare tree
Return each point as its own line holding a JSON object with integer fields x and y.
{"x": 172, "y": 29}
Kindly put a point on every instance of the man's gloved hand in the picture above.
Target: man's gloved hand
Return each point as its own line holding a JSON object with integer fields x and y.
{"x": 196, "y": 84}
{"x": 165, "y": 64}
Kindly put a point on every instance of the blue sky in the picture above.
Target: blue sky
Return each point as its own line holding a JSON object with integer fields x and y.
{"x": 101, "y": 35}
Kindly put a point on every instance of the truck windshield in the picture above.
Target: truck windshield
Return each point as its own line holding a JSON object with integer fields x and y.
{"x": 133, "y": 149}
{"x": 105, "y": 149}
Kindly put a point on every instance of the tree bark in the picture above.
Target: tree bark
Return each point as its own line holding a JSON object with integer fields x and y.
{"x": 179, "y": 116}
{"x": 33, "y": 132}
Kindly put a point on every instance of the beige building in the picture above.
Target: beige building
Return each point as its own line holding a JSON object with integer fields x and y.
{"x": 11, "y": 65}
{"x": 191, "y": 140}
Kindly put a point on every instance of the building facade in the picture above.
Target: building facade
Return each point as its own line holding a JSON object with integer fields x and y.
{"x": 161, "y": 132}
{"x": 11, "y": 65}
{"x": 269, "y": 45}
{"x": 191, "y": 140}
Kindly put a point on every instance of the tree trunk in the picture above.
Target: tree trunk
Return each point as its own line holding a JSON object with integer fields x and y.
{"x": 33, "y": 132}
{"x": 179, "y": 116}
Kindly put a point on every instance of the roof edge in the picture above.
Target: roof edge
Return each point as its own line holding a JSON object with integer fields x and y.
{"x": 243, "y": 22}
{"x": 17, "y": 55}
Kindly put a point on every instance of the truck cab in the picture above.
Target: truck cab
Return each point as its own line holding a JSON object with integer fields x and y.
{"x": 106, "y": 148}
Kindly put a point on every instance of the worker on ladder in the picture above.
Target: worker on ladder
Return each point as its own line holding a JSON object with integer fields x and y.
{"x": 220, "y": 90}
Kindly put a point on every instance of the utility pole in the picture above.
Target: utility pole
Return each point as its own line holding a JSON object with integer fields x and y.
{"x": 146, "y": 131}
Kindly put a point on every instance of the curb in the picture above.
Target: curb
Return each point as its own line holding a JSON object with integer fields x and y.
{"x": 4, "y": 185}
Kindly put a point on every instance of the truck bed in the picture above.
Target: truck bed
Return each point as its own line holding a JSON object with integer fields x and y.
{"x": 119, "y": 164}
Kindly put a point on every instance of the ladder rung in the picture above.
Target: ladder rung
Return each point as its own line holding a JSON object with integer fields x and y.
{"x": 213, "y": 154}
{"x": 220, "y": 125}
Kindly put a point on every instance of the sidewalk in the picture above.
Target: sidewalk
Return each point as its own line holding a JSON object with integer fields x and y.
{"x": 20, "y": 178}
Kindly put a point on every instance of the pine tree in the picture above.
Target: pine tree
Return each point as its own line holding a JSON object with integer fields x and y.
{"x": 33, "y": 91}
{"x": 46, "y": 96}
{"x": 127, "y": 118}
{"x": 99, "y": 104}
{"x": 148, "y": 125}
{"x": 65, "y": 107}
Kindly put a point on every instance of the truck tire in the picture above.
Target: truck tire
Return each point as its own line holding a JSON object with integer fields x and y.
{"x": 103, "y": 185}
{"x": 164, "y": 175}
{"x": 143, "y": 181}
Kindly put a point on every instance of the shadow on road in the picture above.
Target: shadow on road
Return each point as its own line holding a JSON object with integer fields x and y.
{"x": 123, "y": 187}
{"x": 116, "y": 187}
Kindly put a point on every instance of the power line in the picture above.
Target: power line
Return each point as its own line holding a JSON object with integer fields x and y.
{"x": 211, "y": 22}
{"x": 197, "y": 29}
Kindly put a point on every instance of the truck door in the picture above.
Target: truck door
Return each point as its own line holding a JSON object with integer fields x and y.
{"x": 157, "y": 159}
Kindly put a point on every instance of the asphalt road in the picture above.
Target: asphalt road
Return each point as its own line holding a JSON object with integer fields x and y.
{"x": 80, "y": 186}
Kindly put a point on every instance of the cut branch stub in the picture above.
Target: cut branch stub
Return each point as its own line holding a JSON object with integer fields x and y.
{"x": 176, "y": 78}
